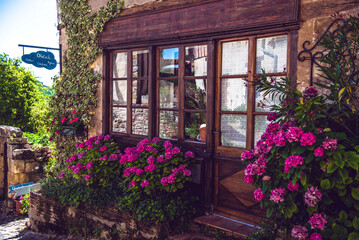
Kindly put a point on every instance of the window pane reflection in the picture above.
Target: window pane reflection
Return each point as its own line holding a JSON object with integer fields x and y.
{"x": 119, "y": 119}
{"x": 260, "y": 125}
{"x": 140, "y": 121}
{"x": 119, "y": 92}
{"x": 263, "y": 104}
{"x": 168, "y": 124}
{"x": 169, "y": 62}
{"x": 169, "y": 94}
{"x": 272, "y": 54}
{"x": 140, "y": 63}
{"x": 233, "y": 130}
{"x": 195, "y": 126}
{"x": 195, "y": 94}
{"x": 140, "y": 93}
{"x": 120, "y": 65}
{"x": 235, "y": 58}
{"x": 196, "y": 61}
{"x": 233, "y": 94}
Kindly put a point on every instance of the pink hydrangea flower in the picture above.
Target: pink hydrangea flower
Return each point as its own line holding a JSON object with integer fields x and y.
{"x": 167, "y": 144}
{"x": 307, "y": 139}
{"x": 258, "y": 195}
{"x": 103, "y": 148}
{"x": 181, "y": 168}
{"x": 330, "y": 144}
{"x": 97, "y": 142}
{"x": 63, "y": 120}
{"x": 155, "y": 140}
{"x": 315, "y": 236}
{"x": 189, "y": 154}
{"x": 107, "y": 137}
{"x": 292, "y": 162}
{"x": 149, "y": 148}
{"x": 277, "y": 195}
{"x": 318, "y": 221}
{"x": 113, "y": 157}
{"x": 139, "y": 171}
{"x": 151, "y": 160}
{"x": 312, "y": 196}
{"x": 266, "y": 178}
{"x": 272, "y": 127}
{"x": 164, "y": 181}
{"x": 144, "y": 142}
{"x": 160, "y": 159}
{"x": 293, "y": 134}
{"x": 133, "y": 183}
{"x": 175, "y": 150}
{"x": 50, "y": 139}
{"x": 145, "y": 183}
{"x": 168, "y": 155}
{"x": 88, "y": 177}
{"x": 246, "y": 155}
{"x": 293, "y": 188}
{"x": 319, "y": 152}
{"x": 90, "y": 146}
{"x": 279, "y": 138}
{"x": 175, "y": 170}
{"x": 61, "y": 175}
{"x": 127, "y": 172}
{"x": 310, "y": 92}
{"x": 150, "y": 167}
{"x": 248, "y": 179}
{"x": 171, "y": 178}
{"x": 272, "y": 116}
{"x": 89, "y": 165}
{"x": 187, "y": 172}
{"x": 299, "y": 232}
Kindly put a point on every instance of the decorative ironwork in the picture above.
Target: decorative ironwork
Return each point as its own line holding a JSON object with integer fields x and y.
{"x": 314, "y": 56}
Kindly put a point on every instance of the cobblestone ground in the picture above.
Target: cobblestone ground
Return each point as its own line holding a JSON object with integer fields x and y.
{"x": 13, "y": 227}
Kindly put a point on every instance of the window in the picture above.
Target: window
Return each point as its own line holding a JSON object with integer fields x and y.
{"x": 241, "y": 112}
{"x": 167, "y": 96}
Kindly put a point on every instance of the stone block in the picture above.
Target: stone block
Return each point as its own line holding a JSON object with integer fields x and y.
{"x": 31, "y": 166}
{"x": 23, "y": 154}
{"x": 2, "y": 163}
{"x": 12, "y": 148}
{"x": 2, "y": 180}
{"x": 16, "y": 166}
{"x": 9, "y": 131}
{"x": 16, "y": 140}
{"x": 17, "y": 178}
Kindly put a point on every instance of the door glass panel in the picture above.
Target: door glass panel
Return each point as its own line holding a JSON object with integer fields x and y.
{"x": 271, "y": 54}
{"x": 235, "y": 58}
{"x": 140, "y": 121}
{"x": 169, "y": 62}
{"x": 195, "y": 94}
{"x": 140, "y": 93}
{"x": 233, "y": 130}
{"x": 119, "y": 93}
{"x": 260, "y": 125}
{"x": 169, "y": 93}
{"x": 168, "y": 124}
{"x": 263, "y": 104}
{"x": 140, "y": 63}
{"x": 195, "y": 126}
{"x": 120, "y": 65}
{"x": 233, "y": 94}
{"x": 119, "y": 119}
{"x": 196, "y": 61}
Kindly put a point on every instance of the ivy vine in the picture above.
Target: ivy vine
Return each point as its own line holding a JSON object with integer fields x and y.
{"x": 77, "y": 86}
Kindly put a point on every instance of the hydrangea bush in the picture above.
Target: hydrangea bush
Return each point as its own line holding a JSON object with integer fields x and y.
{"x": 96, "y": 161}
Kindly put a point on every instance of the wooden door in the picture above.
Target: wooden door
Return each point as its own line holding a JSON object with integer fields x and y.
{"x": 240, "y": 117}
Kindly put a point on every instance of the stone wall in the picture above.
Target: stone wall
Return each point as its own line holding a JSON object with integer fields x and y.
{"x": 18, "y": 162}
{"x": 48, "y": 216}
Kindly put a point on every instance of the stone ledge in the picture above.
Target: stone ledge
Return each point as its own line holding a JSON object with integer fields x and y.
{"x": 23, "y": 154}
{"x": 16, "y": 140}
{"x": 49, "y": 216}
{"x": 9, "y": 131}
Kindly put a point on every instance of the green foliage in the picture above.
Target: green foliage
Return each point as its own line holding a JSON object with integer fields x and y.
{"x": 23, "y": 103}
{"x": 77, "y": 86}
{"x": 25, "y": 203}
{"x": 38, "y": 139}
{"x": 74, "y": 191}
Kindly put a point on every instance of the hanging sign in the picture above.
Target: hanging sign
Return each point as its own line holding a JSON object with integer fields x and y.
{"x": 40, "y": 59}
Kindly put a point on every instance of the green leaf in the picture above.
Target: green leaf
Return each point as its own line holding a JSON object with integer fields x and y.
{"x": 292, "y": 207}
{"x": 353, "y": 165}
{"x": 303, "y": 180}
{"x": 356, "y": 223}
{"x": 331, "y": 168}
{"x": 269, "y": 212}
{"x": 353, "y": 236}
{"x": 342, "y": 216}
{"x": 337, "y": 156}
{"x": 325, "y": 184}
{"x": 355, "y": 193}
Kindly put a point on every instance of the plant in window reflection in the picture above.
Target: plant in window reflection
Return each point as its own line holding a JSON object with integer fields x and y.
{"x": 305, "y": 166}
{"x": 69, "y": 124}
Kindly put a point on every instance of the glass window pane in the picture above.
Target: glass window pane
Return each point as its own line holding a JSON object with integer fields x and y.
{"x": 169, "y": 93}
{"x": 195, "y": 94}
{"x": 140, "y": 121}
{"x": 233, "y": 130}
{"x": 140, "y": 93}
{"x": 169, "y": 62}
{"x": 263, "y": 104}
{"x": 119, "y": 93}
{"x": 196, "y": 61}
{"x": 272, "y": 54}
{"x": 235, "y": 58}
{"x": 168, "y": 124}
{"x": 195, "y": 126}
{"x": 140, "y": 63}
{"x": 119, "y": 119}
{"x": 120, "y": 65}
{"x": 260, "y": 125}
{"x": 233, "y": 94}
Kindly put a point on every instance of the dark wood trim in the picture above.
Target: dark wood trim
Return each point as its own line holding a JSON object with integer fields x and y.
{"x": 151, "y": 92}
{"x": 195, "y": 111}
{"x": 293, "y": 51}
{"x": 234, "y": 76}
{"x": 181, "y": 92}
{"x": 194, "y": 77}
{"x": 211, "y": 80}
{"x": 129, "y": 93}
{"x": 251, "y": 91}
{"x": 106, "y": 88}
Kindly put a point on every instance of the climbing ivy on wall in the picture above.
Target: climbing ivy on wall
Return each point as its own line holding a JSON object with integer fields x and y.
{"x": 76, "y": 87}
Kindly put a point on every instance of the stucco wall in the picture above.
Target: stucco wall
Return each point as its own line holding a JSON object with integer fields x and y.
{"x": 315, "y": 16}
